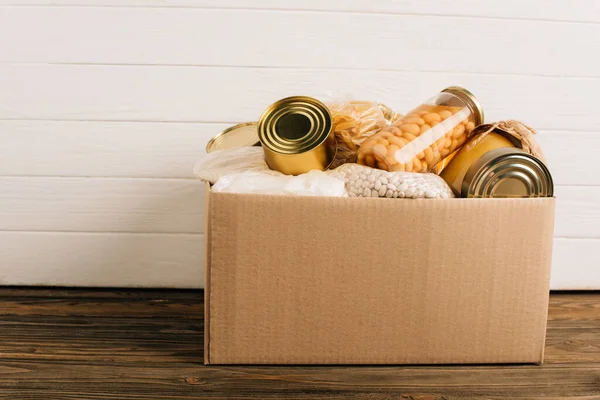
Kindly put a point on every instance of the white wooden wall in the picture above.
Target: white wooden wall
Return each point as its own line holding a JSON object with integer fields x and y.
{"x": 106, "y": 104}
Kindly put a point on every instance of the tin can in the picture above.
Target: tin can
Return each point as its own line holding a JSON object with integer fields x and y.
{"x": 455, "y": 166}
{"x": 240, "y": 135}
{"x": 496, "y": 167}
{"x": 507, "y": 172}
{"x": 296, "y": 135}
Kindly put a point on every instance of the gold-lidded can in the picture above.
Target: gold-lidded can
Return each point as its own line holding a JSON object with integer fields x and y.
{"x": 240, "y": 135}
{"x": 507, "y": 172}
{"x": 493, "y": 164}
{"x": 296, "y": 135}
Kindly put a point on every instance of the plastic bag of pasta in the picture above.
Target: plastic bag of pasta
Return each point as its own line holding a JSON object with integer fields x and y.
{"x": 353, "y": 123}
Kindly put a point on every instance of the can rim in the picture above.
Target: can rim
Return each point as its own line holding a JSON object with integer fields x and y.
{"x": 212, "y": 144}
{"x": 480, "y": 169}
{"x": 284, "y": 146}
{"x": 472, "y": 101}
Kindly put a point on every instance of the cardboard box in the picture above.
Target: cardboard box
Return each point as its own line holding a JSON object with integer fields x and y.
{"x": 315, "y": 280}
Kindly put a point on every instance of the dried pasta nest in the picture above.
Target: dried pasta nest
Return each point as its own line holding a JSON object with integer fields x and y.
{"x": 353, "y": 123}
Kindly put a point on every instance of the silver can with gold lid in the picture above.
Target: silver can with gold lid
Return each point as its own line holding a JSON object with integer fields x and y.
{"x": 296, "y": 135}
{"x": 507, "y": 172}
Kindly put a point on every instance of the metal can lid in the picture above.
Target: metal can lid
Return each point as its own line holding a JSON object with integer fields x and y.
{"x": 294, "y": 125}
{"x": 507, "y": 172}
{"x": 469, "y": 98}
{"x": 240, "y": 135}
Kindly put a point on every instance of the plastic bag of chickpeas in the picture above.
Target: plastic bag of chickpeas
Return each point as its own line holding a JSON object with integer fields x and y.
{"x": 353, "y": 122}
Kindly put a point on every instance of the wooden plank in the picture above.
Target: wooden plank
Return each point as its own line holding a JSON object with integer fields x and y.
{"x": 159, "y": 93}
{"x": 101, "y": 205}
{"x": 577, "y": 10}
{"x": 127, "y": 347}
{"x": 103, "y": 149}
{"x": 168, "y": 150}
{"x": 177, "y": 37}
{"x": 102, "y": 259}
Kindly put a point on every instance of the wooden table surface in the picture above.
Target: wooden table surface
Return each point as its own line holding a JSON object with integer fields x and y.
{"x": 145, "y": 344}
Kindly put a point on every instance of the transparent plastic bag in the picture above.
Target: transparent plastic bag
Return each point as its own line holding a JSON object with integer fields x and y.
{"x": 422, "y": 138}
{"x": 228, "y": 161}
{"x": 363, "y": 181}
{"x": 313, "y": 183}
{"x": 353, "y": 123}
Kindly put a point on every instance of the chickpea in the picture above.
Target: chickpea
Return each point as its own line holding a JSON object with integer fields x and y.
{"x": 379, "y": 152}
{"x": 432, "y": 117}
{"x": 414, "y": 120}
{"x": 411, "y": 128}
{"x": 445, "y": 114}
{"x": 458, "y": 131}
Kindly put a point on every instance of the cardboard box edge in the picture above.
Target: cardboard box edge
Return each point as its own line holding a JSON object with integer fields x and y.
{"x": 207, "y": 251}
{"x": 551, "y": 233}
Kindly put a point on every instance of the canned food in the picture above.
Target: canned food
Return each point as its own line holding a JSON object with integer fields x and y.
{"x": 456, "y": 168}
{"x": 496, "y": 167}
{"x": 507, "y": 172}
{"x": 296, "y": 135}
{"x": 240, "y": 135}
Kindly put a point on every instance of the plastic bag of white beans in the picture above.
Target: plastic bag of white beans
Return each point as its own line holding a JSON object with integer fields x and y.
{"x": 363, "y": 181}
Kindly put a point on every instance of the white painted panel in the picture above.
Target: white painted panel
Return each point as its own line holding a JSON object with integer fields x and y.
{"x": 101, "y": 205}
{"x": 174, "y": 36}
{"x": 206, "y": 94}
{"x": 575, "y": 264}
{"x": 102, "y": 259}
{"x": 176, "y": 260}
{"x": 168, "y": 150}
{"x": 577, "y": 211}
{"x": 572, "y": 156}
{"x": 102, "y": 149}
{"x": 156, "y": 205}
{"x": 574, "y": 10}
{"x": 61, "y": 118}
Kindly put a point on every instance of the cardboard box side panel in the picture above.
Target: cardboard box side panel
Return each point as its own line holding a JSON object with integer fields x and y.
{"x": 207, "y": 274}
{"x": 547, "y": 233}
{"x": 302, "y": 280}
